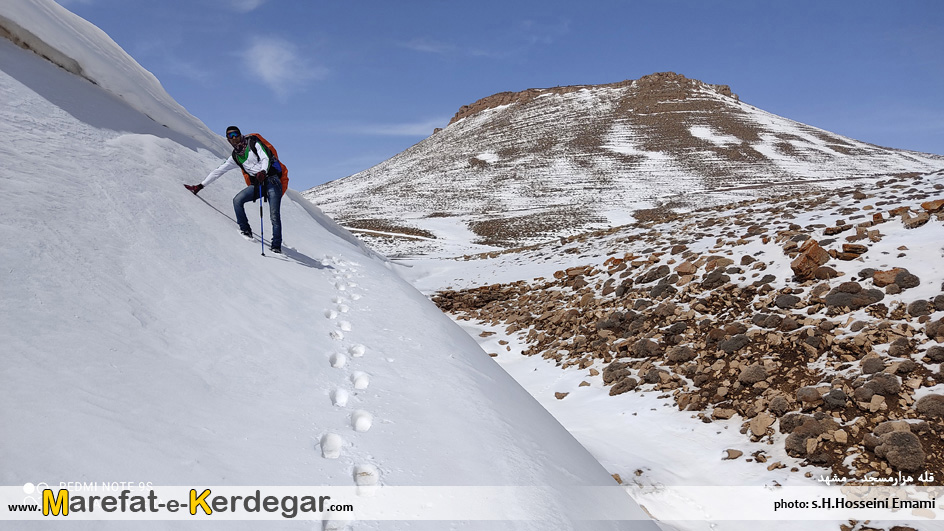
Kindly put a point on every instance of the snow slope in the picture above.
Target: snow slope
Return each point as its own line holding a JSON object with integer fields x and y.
{"x": 145, "y": 341}
{"x": 83, "y": 49}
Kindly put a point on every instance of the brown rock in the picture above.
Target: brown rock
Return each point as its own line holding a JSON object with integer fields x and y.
{"x": 841, "y": 437}
{"x": 931, "y": 406}
{"x": 686, "y": 268}
{"x": 623, "y": 386}
{"x": 752, "y": 374}
{"x": 935, "y": 329}
{"x": 832, "y": 231}
{"x": 885, "y": 278}
{"x": 825, "y": 273}
{"x": 890, "y": 426}
{"x": 732, "y": 454}
{"x": 900, "y": 348}
{"x": 872, "y": 364}
{"x": 779, "y": 405}
{"x": 760, "y": 423}
{"x": 680, "y": 354}
{"x": 792, "y": 421}
{"x": 645, "y": 348}
{"x": 920, "y": 307}
{"x": 935, "y": 354}
{"x": 933, "y": 206}
{"x": 718, "y": 263}
{"x": 802, "y": 441}
{"x": 811, "y": 257}
{"x": 854, "y": 248}
{"x": 884, "y": 384}
{"x": 577, "y": 271}
{"x": 614, "y": 372}
{"x": 809, "y": 395}
{"x": 917, "y": 221}
{"x": 835, "y": 399}
{"x": 902, "y": 450}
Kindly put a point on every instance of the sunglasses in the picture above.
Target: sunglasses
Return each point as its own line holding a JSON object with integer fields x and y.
{"x": 232, "y": 134}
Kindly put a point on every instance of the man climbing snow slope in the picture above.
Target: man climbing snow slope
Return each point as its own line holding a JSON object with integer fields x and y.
{"x": 266, "y": 177}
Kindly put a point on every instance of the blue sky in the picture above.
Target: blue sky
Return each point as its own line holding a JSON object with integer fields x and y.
{"x": 338, "y": 87}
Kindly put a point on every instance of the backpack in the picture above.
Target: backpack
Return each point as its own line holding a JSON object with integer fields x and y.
{"x": 275, "y": 165}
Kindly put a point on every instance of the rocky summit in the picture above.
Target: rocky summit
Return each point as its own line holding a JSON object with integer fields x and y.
{"x": 518, "y": 168}
{"x": 815, "y": 324}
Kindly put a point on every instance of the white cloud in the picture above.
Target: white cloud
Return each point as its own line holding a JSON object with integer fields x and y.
{"x": 515, "y": 40}
{"x": 245, "y": 6}
{"x": 277, "y": 64}
{"x": 428, "y": 46}
{"x": 539, "y": 32}
{"x": 402, "y": 129}
{"x": 189, "y": 70}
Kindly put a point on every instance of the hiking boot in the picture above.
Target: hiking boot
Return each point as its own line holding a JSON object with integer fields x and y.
{"x": 246, "y": 233}
{"x": 277, "y": 249}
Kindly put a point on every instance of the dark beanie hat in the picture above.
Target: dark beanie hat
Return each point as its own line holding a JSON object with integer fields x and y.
{"x": 233, "y": 128}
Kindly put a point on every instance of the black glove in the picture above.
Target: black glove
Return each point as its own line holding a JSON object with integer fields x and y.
{"x": 194, "y": 188}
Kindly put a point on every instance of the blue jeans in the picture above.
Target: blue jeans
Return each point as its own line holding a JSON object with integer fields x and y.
{"x": 273, "y": 191}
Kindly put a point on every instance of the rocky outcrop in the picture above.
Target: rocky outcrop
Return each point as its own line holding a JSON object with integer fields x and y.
{"x": 650, "y": 83}
{"x": 815, "y": 363}
{"x": 812, "y": 256}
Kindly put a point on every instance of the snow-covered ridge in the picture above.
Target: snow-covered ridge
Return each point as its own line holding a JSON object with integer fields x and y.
{"x": 569, "y": 160}
{"x": 81, "y": 48}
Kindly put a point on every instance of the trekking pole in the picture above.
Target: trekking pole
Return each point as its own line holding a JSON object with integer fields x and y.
{"x": 261, "y": 224}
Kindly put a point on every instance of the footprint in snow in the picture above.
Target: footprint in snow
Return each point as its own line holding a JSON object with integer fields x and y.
{"x": 366, "y": 475}
{"x": 331, "y": 314}
{"x": 360, "y": 380}
{"x": 344, "y": 325}
{"x": 337, "y": 300}
{"x": 339, "y": 397}
{"x": 343, "y": 308}
{"x": 336, "y": 335}
{"x": 361, "y": 420}
{"x": 340, "y": 524}
{"x": 355, "y": 297}
{"x": 331, "y": 446}
{"x": 357, "y": 350}
{"x": 338, "y": 360}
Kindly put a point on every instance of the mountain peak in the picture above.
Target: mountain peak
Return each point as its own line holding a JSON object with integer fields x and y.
{"x": 657, "y": 84}
{"x": 519, "y": 168}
